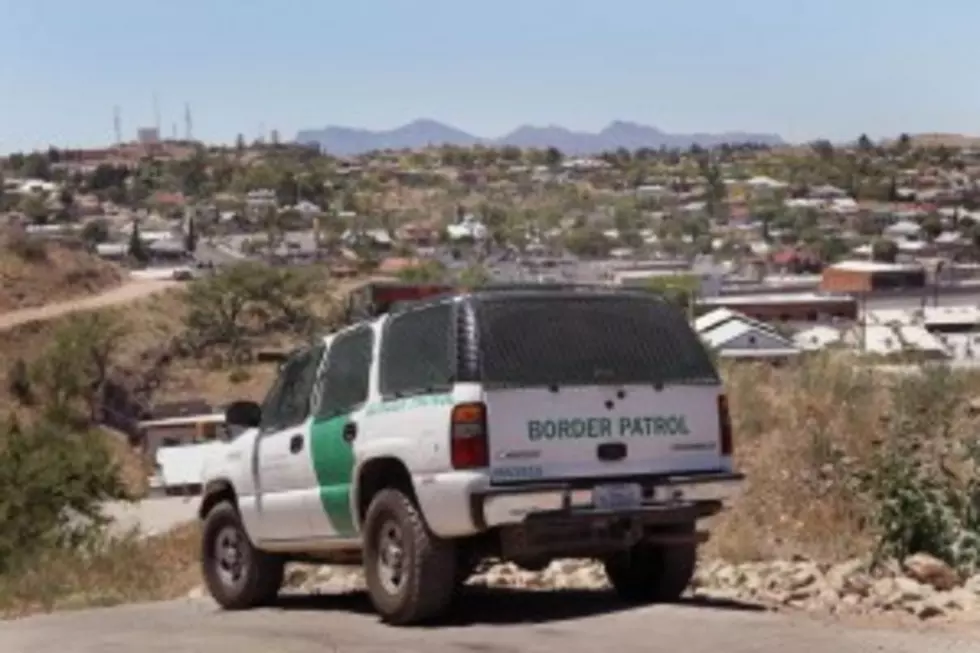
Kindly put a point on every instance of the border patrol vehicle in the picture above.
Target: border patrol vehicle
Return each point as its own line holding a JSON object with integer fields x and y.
{"x": 521, "y": 424}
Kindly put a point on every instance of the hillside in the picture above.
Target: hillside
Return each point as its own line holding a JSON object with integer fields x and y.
{"x": 34, "y": 273}
{"x": 346, "y": 141}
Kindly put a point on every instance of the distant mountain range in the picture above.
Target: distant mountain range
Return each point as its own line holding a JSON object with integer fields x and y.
{"x": 348, "y": 141}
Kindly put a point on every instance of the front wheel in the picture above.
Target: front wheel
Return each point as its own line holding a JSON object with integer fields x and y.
{"x": 650, "y": 573}
{"x": 237, "y": 575}
{"x": 411, "y": 574}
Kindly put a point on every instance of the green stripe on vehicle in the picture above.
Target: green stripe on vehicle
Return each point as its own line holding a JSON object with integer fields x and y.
{"x": 333, "y": 463}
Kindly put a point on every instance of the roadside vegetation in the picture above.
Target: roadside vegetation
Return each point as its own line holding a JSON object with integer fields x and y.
{"x": 36, "y": 272}
{"x": 843, "y": 461}
{"x": 67, "y": 381}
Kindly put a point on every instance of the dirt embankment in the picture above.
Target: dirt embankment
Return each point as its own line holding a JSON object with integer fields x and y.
{"x": 35, "y": 273}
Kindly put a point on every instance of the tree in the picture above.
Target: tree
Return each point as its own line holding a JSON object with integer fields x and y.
{"x": 864, "y": 143}
{"x": 34, "y": 207}
{"x": 474, "y": 276}
{"x": 904, "y": 144}
{"x": 227, "y": 311}
{"x": 96, "y": 231}
{"x": 587, "y": 242}
{"x": 137, "y": 248}
{"x": 932, "y": 226}
{"x": 53, "y": 482}
{"x": 678, "y": 289}
{"x": 884, "y": 250}
{"x": 190, "y": 238}
{"x": 287, "y": 189}
{"x": 553, "y": 156}
{"x": 425, "y": 272}
{"x": 71, "y": 375}
{"x": 823, "y": 149}
{"x": 36, "y": 166}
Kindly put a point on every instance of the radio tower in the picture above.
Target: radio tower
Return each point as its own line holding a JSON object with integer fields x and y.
{"x": 117, "y": 124}
{"x": 156, "y": 113}
{"x": 188, "y": 124}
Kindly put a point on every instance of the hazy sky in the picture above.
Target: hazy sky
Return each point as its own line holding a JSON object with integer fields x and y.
{"x": 802, "y": 68}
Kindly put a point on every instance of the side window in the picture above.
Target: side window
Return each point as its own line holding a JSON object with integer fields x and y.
{"x": 289, "y": 402}
{"x": 346, "y": 376}
{"x": 417, "y": 352}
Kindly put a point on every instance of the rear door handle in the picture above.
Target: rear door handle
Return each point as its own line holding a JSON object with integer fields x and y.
{"x": 296, "y": 443}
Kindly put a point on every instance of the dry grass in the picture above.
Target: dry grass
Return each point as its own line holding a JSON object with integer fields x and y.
{"x": 803, "y": 432}
{"x": 123, "y": 571}
{"x": 804, "y": 435}
{"x": 187, "y": 380}
{"x": 37, "y": 273}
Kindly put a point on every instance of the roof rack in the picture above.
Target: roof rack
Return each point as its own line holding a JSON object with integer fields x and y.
{"x": 378, "y": 298}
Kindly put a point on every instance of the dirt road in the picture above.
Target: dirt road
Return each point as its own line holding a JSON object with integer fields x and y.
{"x": 152, "y": 516}
{"x": 489, "y": 622}
{"x": 129, "y": 291}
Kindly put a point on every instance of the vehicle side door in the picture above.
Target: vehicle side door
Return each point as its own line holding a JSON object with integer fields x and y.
{"x": 342, "y": 394}
{"x": 282, "y": 466}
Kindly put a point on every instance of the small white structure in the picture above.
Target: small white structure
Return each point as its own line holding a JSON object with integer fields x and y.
{"x": 818, "y": 338}
{"x": 733, "y": 335}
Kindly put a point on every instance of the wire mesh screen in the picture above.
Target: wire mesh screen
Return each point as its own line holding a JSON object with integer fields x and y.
{"x": 569, "y": 340}
{"x": 417, "y": 351}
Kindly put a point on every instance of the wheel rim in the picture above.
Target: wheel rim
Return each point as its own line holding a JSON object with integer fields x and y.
{"x": 230, "y": 556}
{"x": 391, "y": 557}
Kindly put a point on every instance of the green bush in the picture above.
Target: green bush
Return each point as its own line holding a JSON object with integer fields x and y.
{"x": 52, "y": 482}
{"x": 925, "y": 478}
{"x": 845, "y": 460}
{"x": 230, "y": 311}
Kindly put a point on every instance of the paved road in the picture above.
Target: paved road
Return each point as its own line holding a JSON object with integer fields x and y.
{"x": 491, "y": 622}
{"x": 128, "y": 292}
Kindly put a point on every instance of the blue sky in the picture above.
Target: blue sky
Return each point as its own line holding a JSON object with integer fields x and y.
{"x": 802, "y": 68}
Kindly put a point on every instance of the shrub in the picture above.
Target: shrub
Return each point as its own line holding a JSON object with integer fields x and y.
{"x": 52, "y": 482}
{"x": 925, "y": 476}
{"x": 230, "y": 310}
{"x": 843, "y": 460}
{"x": 30, "y": 249}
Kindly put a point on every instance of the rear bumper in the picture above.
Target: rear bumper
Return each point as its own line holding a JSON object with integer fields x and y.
{"x": 667, "y": 499}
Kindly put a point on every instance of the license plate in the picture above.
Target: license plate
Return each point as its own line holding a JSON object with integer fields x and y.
{"x": 617, "y": 497}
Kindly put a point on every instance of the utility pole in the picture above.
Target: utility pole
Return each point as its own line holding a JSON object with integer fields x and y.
{"x": 117, "y": 124}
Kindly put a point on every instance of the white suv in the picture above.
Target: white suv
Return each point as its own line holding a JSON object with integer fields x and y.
{"x": 524, "y": 425}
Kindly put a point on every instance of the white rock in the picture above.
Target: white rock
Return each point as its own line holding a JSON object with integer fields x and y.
{"x": 973, "y": 584}
{"x": 931, "y": 571}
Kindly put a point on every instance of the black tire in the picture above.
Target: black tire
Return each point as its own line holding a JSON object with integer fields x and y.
{"x": 428, "y": 578}
{"x": 651, "y": 573}
{"x": 260, "y": 574}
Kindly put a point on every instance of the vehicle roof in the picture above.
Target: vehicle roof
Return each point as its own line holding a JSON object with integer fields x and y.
{"x": 528, "y": 291}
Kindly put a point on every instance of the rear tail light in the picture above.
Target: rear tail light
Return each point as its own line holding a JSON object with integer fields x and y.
{"x": 725, "y": 424}
{"x": 468, "y": 437}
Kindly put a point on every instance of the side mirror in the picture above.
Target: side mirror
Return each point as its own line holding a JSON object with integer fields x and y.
{"x": 247, "y": 414}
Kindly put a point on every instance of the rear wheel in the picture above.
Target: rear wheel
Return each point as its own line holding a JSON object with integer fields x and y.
{"x": 650, "y": 573}
{"x": 237, "y": 575}
{"x": 411, "y": 574}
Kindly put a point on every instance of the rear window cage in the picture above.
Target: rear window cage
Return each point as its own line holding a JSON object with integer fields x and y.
{"x": 388, "y": 355}
{"x": 530, "y": 348}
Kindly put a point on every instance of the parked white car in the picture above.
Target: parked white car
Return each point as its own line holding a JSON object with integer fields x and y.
{"x": 524, "y": 425}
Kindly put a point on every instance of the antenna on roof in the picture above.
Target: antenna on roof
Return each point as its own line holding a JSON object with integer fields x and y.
{"x": 188, "y": 123}
{"x": 117, "y": 124}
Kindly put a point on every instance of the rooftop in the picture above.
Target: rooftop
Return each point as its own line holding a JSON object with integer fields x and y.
{"x": 876, "y": 266}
